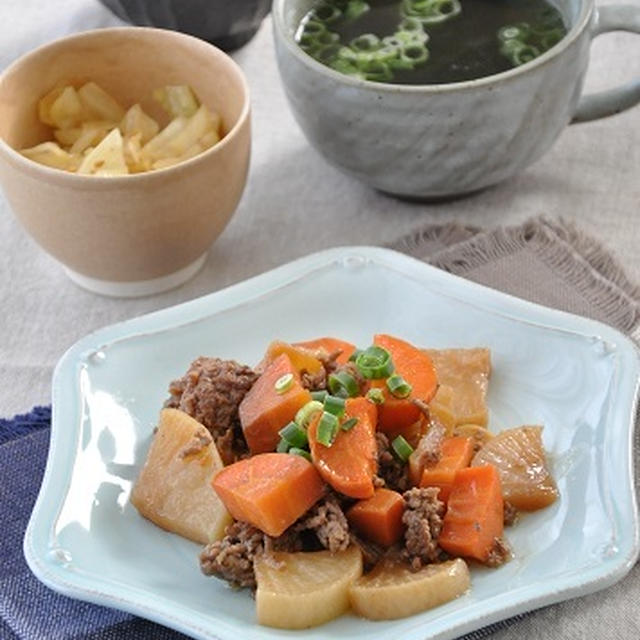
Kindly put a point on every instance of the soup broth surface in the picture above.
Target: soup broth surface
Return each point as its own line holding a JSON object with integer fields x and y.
{"x": 473, "y": 41}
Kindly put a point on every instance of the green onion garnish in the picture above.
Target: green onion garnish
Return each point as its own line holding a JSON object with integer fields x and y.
{"x": 327, "y": 429}
{"x": 398, "y": 386}
{"x": 334, "y": 405}
{"x": 354, "y": 356}
{"x": 306, "y": 412}
{"x": 296, "y": 451}
{"x": 402, "y": 448}
{"x": 375, "y": 395}
{"x": 283, "y": 446}
{"x": 319, "y": 395}
{"x": 343, "y": 384}
{"x": 296, "y": 436}
{"x": 284, "y": 383}
{"x": 347, "y": 425}
{"x": 374, "y": 363}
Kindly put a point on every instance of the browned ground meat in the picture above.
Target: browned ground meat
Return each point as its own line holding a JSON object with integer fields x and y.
{"x": 328, "y": 522}
{"x": 211, "y": 392}
{"x": 428, "y": 451}
{"x": 423, "y": 519}
{"x": 232, "y": 557}
{"x": 314, "y": 381}
{"x": 371, "y": 552}
{"x": 392, "y": 473}
{"x": 499, "y": 553}
{"x": 510, "y": 514}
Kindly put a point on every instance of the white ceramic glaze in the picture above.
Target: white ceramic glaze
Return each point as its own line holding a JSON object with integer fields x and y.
{"x": 444, "y": 140}
{"x": 575, "y": 376}
{"x": 138, "y": 288}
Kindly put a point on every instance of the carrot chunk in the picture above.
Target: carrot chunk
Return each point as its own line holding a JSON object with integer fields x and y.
{"x": 270, "y": 490}
{"x": 415, "y": 366}
{"x": 265, "y": 409}
{"x": 456, "y": 454}
{"x": 379, "y": 518}
{"x": 329, "y": 346}
{"x": 474, "y": 517}
{"x": 350, "y": 463}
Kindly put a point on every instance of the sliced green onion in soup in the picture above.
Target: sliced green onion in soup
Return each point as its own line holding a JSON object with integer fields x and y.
{"x": 524, "y": 55}
{"x": 327, "y": 12}
{"x": 365, "y": 42}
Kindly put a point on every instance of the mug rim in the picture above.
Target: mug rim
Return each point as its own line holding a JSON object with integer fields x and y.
{"x": 57, "y": 175}
{"x": 278, "y": 9}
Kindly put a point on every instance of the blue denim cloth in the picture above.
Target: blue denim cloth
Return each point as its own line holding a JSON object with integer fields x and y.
{"x": 28, "y": 609}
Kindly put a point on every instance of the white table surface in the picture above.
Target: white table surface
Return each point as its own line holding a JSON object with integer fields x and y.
{"x": 295, "y": 203}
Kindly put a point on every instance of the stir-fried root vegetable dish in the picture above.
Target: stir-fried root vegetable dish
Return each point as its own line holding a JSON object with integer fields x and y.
{"x": 330, "y": 478}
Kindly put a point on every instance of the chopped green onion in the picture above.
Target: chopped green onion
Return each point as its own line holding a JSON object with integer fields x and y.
{"x": 305, "y": 413}
{"x": 296, "y": 451}
{"x": 319, "y": 395}
{"x": 354, "y": 356}
{"x": 375, "y": 362}
{"x": 334, "y": 405}
{"x": 326, "y": 12}
{"x": 347, "y": 425}
{"x": 343, "y": 384}
{"x": 511, "y": 32}
{"x": 398, "y": 386}
{"x": 327, "y": 429}
{"x": 365, "y": 42}
{"x": 402, "y": 448}
{"x": 376, "y": 396}
{"x": 355, "y": 8}
{"x": 526, "y": 54}
{"x": 283, "y": 446}
{"x": 296, "y": 436}
{"x": 284, "y": 383}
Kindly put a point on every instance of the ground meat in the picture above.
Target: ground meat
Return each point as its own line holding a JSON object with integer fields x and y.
{"x": 371, "y": 552}
{"x": 232, "y": 557}
{"x": 423, "y": 519}
{"x": 510, "y": 514}
{"x": 499, "y": 553}
{"x": 211, "y": 392}
{"x": 392, "y": 473}
{"x": 314, "y": 381}
{"x": 428, "y": 450}
{"x": 200, "y": 440}
{"x": 328, "y": 522}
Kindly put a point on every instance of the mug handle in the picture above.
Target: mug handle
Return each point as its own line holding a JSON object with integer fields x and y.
{"x": 617, "y": 17}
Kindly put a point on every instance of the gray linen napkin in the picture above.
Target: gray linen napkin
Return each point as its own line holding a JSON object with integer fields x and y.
{"x": 551, "y": 263}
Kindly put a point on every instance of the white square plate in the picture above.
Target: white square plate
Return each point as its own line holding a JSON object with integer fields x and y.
{"x": 576, "y": 377}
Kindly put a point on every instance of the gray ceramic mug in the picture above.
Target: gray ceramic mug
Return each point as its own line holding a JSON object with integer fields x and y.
{"x": 434, "y": 141}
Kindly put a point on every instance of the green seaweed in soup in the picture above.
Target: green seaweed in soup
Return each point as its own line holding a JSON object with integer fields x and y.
{"x": 428, "y": 41}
